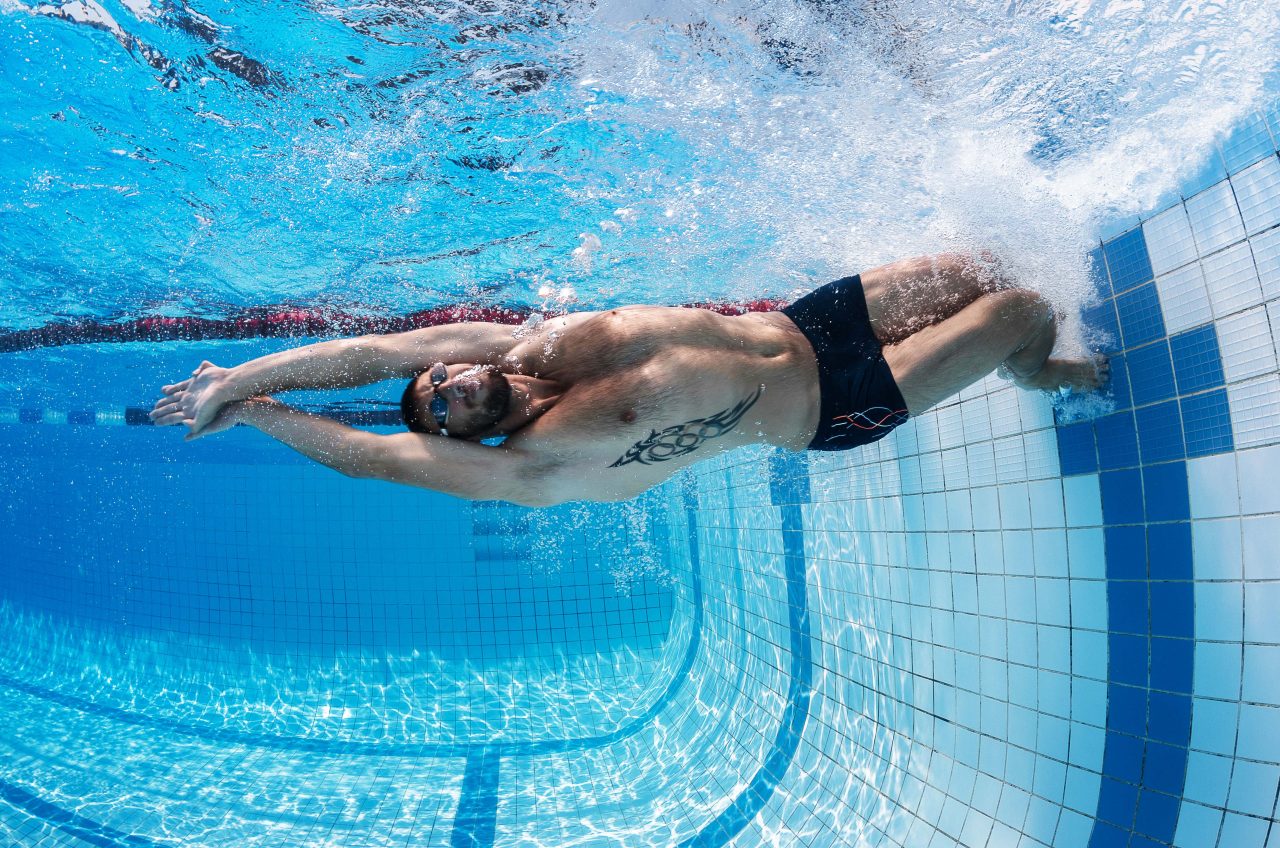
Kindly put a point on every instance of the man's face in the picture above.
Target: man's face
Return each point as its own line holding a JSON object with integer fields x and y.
{"x": 466, "y": 390}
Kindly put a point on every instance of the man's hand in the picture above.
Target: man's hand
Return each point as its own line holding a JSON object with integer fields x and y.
{"x": 195, "y": 401}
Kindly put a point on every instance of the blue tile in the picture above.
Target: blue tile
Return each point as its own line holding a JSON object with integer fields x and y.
{"x": 1103, "y": 326}
{"x": 1121, "y": 496}
{"x": 1109, "y": 836}
{"x": 1249, "y": 141}
{"x": 1127, "y": 603}
{"x": 1171, "y": 664}
{"x": 1157, "y": 815}
{"x": 1170, "y": 719}
{"x": 1165, "y": 487}
{"x": 1117, "y": 802}
{"x": 1126, "y": 553}
{"x": 1117, "y": 388}
{"x": 1151, "y": 373}
{"x": 1165, "y": 767}
{"x": 1171, "y": 609}
{"x": 1126, "y": 713}
{"x": 1160, "y": 432}
{"x": 1127, "y": 661}
{"x": 1197, "y": 360}
{"x": 1141, "y": 320}
{"x": 1117, "y": 440}
{"x": 1098, "y": 274}
{"x": 1077, "y": 449}
{"x": 1128, "y": 262}
{"x": 1206, "y": 422}
{"x": 1123, "y": 754}
{"x": 1140, "y": 841}
{"x": 1169, "y": 550}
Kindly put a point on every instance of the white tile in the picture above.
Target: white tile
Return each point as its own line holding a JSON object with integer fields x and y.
{"x": 1169, "y": 240}
{"x": 1231, "y": 279}
{"x": 955, "y": 469}
{"x": 977, "y": 419}
{"x": 1261, "y": 540}
{"x": 1258, "y": 194}
{"x": 1089, "y": 604}
{"x": 1215, "y": 220}
{"x": 986, "y": 507}
{"x": 1047, "y": 509}
{"x": 1259, "y": 471}
{"x": 1261, "y": 600}
{"x": 1212, "y": 484}
{"x": 959, "y": 511}
{"x": 1245, "y": 342}
{"x": 1015, "y": 506}
{"x": 1184, "y": 298}
{"x": 1041, "y": 447}
{"x": 1262, "y": 674}
{"x": 1255, "y": 419}
{"x": 1049, "y": 548}
{"x": 1083, "y": 499}
{"x": 1035, "y": 409}
{"x": 1273, "y": 318}
{"x": 1215, "y": 547}
{"x": 982, "y": 463}
{"x": 1086, "y": 550}
{"x": 1011, "y": 459}
{"x": 931, "y": 471}
{"x": 1218, "y": 668}
{"x": 1266, "y": 258}
{"x": 951, "y": 426}
{"x": 1005, "y": 417}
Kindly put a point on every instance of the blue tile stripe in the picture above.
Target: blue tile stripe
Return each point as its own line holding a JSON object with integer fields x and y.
{"x": 475, "y": 822}
{"x": 788, "y": 489}
{"x": 73, "y": 824}
{"x": 1166, "y": 396}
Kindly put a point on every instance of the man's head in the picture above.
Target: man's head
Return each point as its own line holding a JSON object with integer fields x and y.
{"x": 461, "y": 401}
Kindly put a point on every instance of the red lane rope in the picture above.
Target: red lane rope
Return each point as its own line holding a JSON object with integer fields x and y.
{"x": 287, "y": 322}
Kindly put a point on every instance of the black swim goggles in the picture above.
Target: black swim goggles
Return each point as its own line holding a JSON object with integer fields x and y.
{"x": 439, "y": 404}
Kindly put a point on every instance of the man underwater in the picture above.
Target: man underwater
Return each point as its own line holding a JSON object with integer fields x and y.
{"x": 604, "y": 405}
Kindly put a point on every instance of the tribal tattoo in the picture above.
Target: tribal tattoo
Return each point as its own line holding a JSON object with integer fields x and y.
{"x": 681, "y": 439}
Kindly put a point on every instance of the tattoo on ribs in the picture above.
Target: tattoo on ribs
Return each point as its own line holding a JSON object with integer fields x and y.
{"x": 681, "y": 439}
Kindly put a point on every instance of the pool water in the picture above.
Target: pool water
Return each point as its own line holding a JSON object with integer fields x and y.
{"x": 1019, "y": 620}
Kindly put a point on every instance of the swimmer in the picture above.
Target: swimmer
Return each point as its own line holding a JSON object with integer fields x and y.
{"x": 604, "y": 405}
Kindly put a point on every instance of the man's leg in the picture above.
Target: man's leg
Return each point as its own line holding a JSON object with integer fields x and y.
{"x": 1013, "y": 327}
{"x": 947, "y": 321}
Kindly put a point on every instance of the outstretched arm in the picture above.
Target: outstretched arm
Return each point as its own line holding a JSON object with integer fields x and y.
{"x": 339, "y": 364}
{"x": 464, "y": 469}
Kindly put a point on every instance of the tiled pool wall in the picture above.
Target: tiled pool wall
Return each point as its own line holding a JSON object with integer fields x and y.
{"x": 1027, "y": 631}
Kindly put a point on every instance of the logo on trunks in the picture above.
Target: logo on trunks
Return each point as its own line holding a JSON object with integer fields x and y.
{"x": 874, "y": 418}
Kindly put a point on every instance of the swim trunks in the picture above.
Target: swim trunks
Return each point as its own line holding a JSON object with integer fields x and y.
{"x": 860, "y": 401}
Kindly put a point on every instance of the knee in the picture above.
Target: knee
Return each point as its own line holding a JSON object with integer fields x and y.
{"x": 1025, "y": 307}
{"x": 981, "y": 268}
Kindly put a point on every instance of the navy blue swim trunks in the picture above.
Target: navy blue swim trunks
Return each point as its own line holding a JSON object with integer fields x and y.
{"x": 860, "y": 401}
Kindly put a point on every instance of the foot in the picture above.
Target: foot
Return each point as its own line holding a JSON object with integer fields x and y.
{"x": 1079, "y": 375}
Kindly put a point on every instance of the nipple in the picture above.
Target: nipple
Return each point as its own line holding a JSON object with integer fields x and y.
{"x": 629, "y": 416}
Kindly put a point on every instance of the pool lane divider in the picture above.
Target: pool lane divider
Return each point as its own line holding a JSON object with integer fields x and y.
{"x": 272, "y": 322}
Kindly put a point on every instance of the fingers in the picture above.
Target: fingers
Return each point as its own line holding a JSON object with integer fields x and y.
{"x": 169, "y": 419}
{"x": 176, "y": 387}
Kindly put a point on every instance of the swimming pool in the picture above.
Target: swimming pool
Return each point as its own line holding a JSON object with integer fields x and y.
{"x": 1015, "y": 621}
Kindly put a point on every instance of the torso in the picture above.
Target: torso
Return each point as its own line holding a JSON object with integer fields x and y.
{"x": 651, "y": 389}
